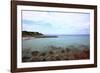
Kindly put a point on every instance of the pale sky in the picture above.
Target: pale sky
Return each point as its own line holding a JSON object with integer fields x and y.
{"x": 56, "y": 22}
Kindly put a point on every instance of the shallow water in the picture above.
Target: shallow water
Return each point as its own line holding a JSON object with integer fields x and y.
{"x": 41, "y": 44}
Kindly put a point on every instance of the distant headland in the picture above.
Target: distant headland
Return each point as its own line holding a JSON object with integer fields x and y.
{"x": 35, "y": 34}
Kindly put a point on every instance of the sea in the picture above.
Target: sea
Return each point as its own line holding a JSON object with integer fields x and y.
{"x": 64, "y": 41}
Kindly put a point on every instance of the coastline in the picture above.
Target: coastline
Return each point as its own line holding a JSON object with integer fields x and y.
{"x": 31, "y": 37}
{"x": 27, "y": 38}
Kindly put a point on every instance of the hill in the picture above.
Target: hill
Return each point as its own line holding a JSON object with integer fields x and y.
{"x": 33, "y": 34}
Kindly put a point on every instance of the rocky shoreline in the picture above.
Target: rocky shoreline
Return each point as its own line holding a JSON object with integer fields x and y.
{"x": 57, "y": 54}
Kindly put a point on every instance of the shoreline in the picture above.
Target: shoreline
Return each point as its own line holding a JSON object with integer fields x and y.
{"x": 29, "y": 37}
{"x": 47, "y": 36}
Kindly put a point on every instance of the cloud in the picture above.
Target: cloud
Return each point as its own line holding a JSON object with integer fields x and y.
{"x": 56, "y": 22}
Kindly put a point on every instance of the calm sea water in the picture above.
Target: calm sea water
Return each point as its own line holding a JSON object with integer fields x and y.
{"x": 42, "y": 44}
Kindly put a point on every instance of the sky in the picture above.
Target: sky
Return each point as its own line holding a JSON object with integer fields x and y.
{"x": 56, "y": 23}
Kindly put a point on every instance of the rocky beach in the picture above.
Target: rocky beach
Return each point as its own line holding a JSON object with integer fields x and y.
{"x": 56, "y": 54}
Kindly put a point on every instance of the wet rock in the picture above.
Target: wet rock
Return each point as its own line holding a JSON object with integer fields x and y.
{"x": 35, "y": 53}
{"x": 62, "y": 51}
{"x": 25, "y": 59}
{"x": 35, "y": 59}
{"x": 51, "y": 52}
{"x": 59, "y": 53}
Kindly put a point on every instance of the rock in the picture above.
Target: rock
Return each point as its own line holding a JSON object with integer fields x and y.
{"x": 35, "y": 53}
{"x": 25, "y": 59}
{"x": 43, "y": 54}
